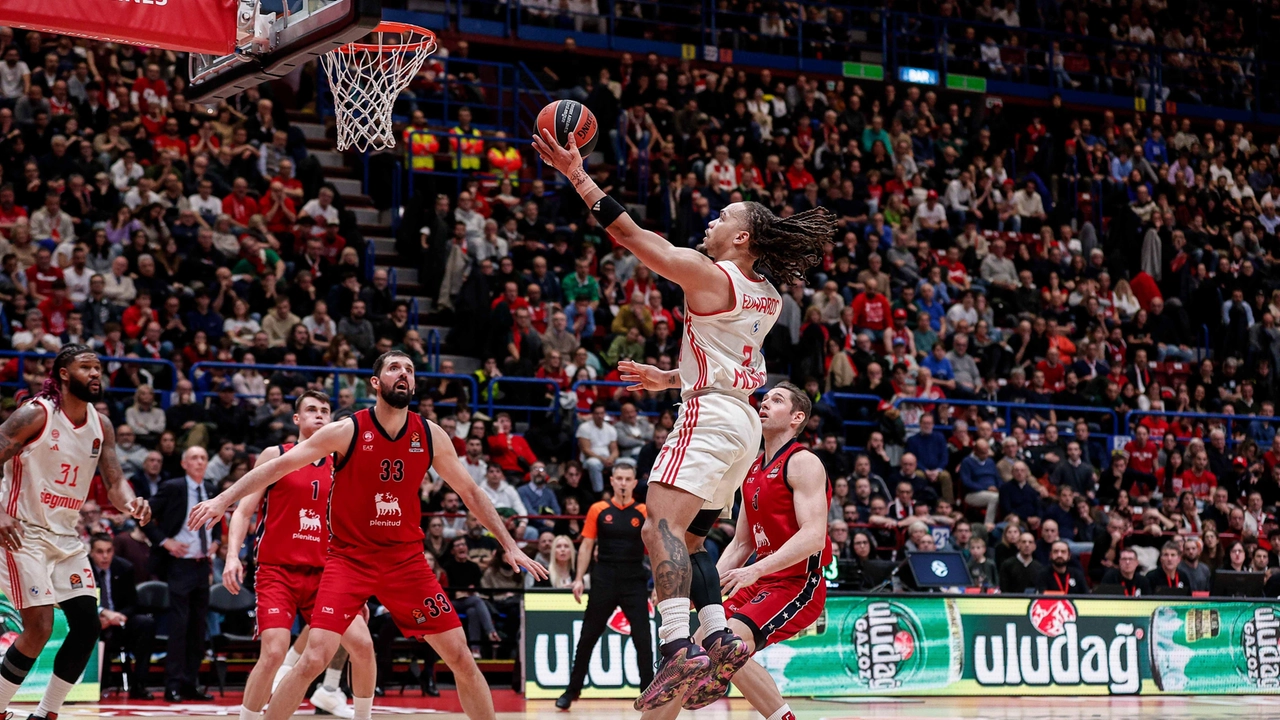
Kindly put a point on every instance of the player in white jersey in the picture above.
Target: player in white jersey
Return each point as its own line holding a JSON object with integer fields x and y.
{"x": 51, "y": 448}
{"x": 731, "y": 308}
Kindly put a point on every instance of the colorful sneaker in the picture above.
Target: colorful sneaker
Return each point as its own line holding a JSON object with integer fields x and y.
{"x": 683, "y": 665}
{"x": 728, "y": 654}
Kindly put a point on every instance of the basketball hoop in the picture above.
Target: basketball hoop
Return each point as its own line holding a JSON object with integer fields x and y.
{"x": 367, "y": 77}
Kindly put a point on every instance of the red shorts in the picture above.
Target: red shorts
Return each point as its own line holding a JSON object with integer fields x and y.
{"x": 776, "y": 608}
{"x": 406, "y": 587}
{"x": 285, "y": 591}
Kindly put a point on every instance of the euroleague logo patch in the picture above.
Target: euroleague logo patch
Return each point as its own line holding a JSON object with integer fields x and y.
{"x": 76, "y": 581}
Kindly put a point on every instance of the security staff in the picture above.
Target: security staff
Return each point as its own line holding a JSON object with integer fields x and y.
{"x": 618, "y": 580}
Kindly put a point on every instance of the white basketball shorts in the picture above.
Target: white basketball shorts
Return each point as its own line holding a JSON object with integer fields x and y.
{"x": 46, "y": 570}
{"x": 715, "y": 441}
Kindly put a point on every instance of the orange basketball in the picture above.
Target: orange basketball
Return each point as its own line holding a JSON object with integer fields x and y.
{"x": 569, "y": 117}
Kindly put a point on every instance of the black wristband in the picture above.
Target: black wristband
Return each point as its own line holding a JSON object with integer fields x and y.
{"x": 607, "y": 210}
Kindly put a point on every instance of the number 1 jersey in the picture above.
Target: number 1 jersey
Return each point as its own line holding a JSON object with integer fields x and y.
{"x": 374, "y": 503}
{"x": 291, "y": 529}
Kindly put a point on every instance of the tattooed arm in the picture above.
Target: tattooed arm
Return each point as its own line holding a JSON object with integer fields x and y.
{"x": 707, "y": 287}
{"x": 119, "y": 491}
{"x": 25, "y": 423}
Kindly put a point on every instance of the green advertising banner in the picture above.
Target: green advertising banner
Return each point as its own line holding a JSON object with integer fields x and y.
{"x": 32, "y": 690}
{"x": 964, "y": 645}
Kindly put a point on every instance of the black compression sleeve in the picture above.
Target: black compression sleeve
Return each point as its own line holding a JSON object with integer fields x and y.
{"x": 607, "y": 211}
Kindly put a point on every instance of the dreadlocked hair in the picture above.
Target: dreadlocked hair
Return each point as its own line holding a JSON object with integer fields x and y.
{"x": 787, "y": 247}
{"x": 52, "y": 388}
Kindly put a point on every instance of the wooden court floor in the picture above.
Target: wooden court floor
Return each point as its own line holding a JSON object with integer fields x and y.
{"x": 510, "y": 706}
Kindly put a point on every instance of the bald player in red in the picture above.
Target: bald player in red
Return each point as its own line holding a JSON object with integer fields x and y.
{"x": 376, "y": 543}
{"x": 783, "y": 522}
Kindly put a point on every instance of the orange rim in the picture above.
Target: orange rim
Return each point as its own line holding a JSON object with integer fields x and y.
{"x": 402, "y": 29}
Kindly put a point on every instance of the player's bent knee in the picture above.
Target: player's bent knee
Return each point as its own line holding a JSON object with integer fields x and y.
{"x": 38, "y": 624}
{"x": 740, "y": 629}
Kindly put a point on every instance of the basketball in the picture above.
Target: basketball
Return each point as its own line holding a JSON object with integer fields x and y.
{"x": 563, "y": 117}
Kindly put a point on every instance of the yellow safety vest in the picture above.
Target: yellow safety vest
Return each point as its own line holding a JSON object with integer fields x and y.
{"x": 423, "y": 147}
{"x": 471, "y": 145}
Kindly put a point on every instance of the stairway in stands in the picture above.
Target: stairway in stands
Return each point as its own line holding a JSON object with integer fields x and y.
{"x": 343, "y": 171}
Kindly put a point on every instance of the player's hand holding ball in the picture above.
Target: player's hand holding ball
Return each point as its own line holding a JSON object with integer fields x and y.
{"x": 567, "y": 132}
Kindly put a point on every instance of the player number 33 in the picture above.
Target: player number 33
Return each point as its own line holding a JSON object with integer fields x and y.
{"x": 392, "y": 470}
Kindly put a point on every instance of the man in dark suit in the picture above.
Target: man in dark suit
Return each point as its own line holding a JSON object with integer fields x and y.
{"x": 182, "y": 558}
{"x": 122, "y": 625}
{"x": 147, "y": 482}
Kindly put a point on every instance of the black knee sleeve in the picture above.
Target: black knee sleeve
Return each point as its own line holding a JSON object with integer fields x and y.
{"x": 16, "y": 665}
{"x": 704, "y": 582}
{"x": 82, "y": 636}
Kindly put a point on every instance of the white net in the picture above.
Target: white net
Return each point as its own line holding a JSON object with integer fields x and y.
{"x": 367, "y": 77}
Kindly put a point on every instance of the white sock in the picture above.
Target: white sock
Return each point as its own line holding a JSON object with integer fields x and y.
{"x": 247, "y": 714}
{"x": 783, "y": 712}
{"x": 363, "y": 708}
{"x": 292, "y": 657}
{"x": 711, "y": 619}
{"x": 54, "y": 695}
{"x": 332, "y": 678}
{"x": 675, "y": 620}
{"x": 7, "y": 691}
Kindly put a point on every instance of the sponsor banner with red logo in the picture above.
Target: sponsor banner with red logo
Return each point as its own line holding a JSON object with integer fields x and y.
{"x": 204, "y": 26}
{"x": 965, "y": 645}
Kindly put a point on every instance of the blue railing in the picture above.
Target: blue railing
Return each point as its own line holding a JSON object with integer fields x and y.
{"x": 433, "y": 345}
{"x": 318, "y": 370}
{"x": 109, "y": 364}
{"x": 1041, "y": 63}
{"x": 503, "y": 386}
{"x": 1231, "y": 422}
{"x": 1010, "y": 407}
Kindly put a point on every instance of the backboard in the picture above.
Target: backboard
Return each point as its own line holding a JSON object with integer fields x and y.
{"x": 274, "y": 37}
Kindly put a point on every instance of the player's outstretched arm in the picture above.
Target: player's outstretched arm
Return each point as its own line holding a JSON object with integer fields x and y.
{"x": 647, "y": 377}
{"x": 739, "y": 548}
{"x": 333, "y": 438}
{"x": 705, "y": 285}
{"x": 233, "y": 570}
{"x": 119, "y": 491}
{"x": 809, "y": 483}
{"x": 447, "y": 465}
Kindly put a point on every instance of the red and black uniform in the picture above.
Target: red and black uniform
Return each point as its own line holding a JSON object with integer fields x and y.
{"x": 781, "y": 604}
{"x": 375, "y": 525}
{"x": 293, "y": 541}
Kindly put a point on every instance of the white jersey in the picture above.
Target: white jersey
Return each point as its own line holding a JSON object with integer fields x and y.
{"x": 48, "y": 481}
{"x": 721, "y": 351}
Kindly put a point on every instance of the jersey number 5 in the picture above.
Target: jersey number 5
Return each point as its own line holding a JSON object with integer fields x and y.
{"x": 69, "y": 473}
{"x": 392, "y": 470}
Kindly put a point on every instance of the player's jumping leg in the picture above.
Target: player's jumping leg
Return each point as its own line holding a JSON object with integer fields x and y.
{"x": 321, "y": 646}
{"x": 275, "y": 645}
{"x": 329, "y": 697}
{"x": 473, "y": 689}
{"x": 728, "y": 651}
{"x": 756, "y": 684}
{"x": 291, "y": 658}
{"x": 358, "y": 643}
{"x": 37, "y": 626}
{"x": 682, "y": 662}
{"x": 83, "y": 629}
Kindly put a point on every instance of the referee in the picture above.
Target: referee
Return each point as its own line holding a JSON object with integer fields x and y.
{"x": 619, "y": 579}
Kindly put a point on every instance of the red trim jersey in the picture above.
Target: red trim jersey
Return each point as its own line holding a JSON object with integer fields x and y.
{"x": 721, "y": 351}
{"x": 373, "y": 502}
{"x": 769, "y": 503}
{"x": 291, "y": 519}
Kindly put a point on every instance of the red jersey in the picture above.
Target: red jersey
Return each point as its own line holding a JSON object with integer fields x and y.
{"x": 373, "y": 502}
{"x": 1142, "y": 459}
{"x": 291, "y": 529}
{"x": 1201, "y": 485}
{"x": 770, "y": 506}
